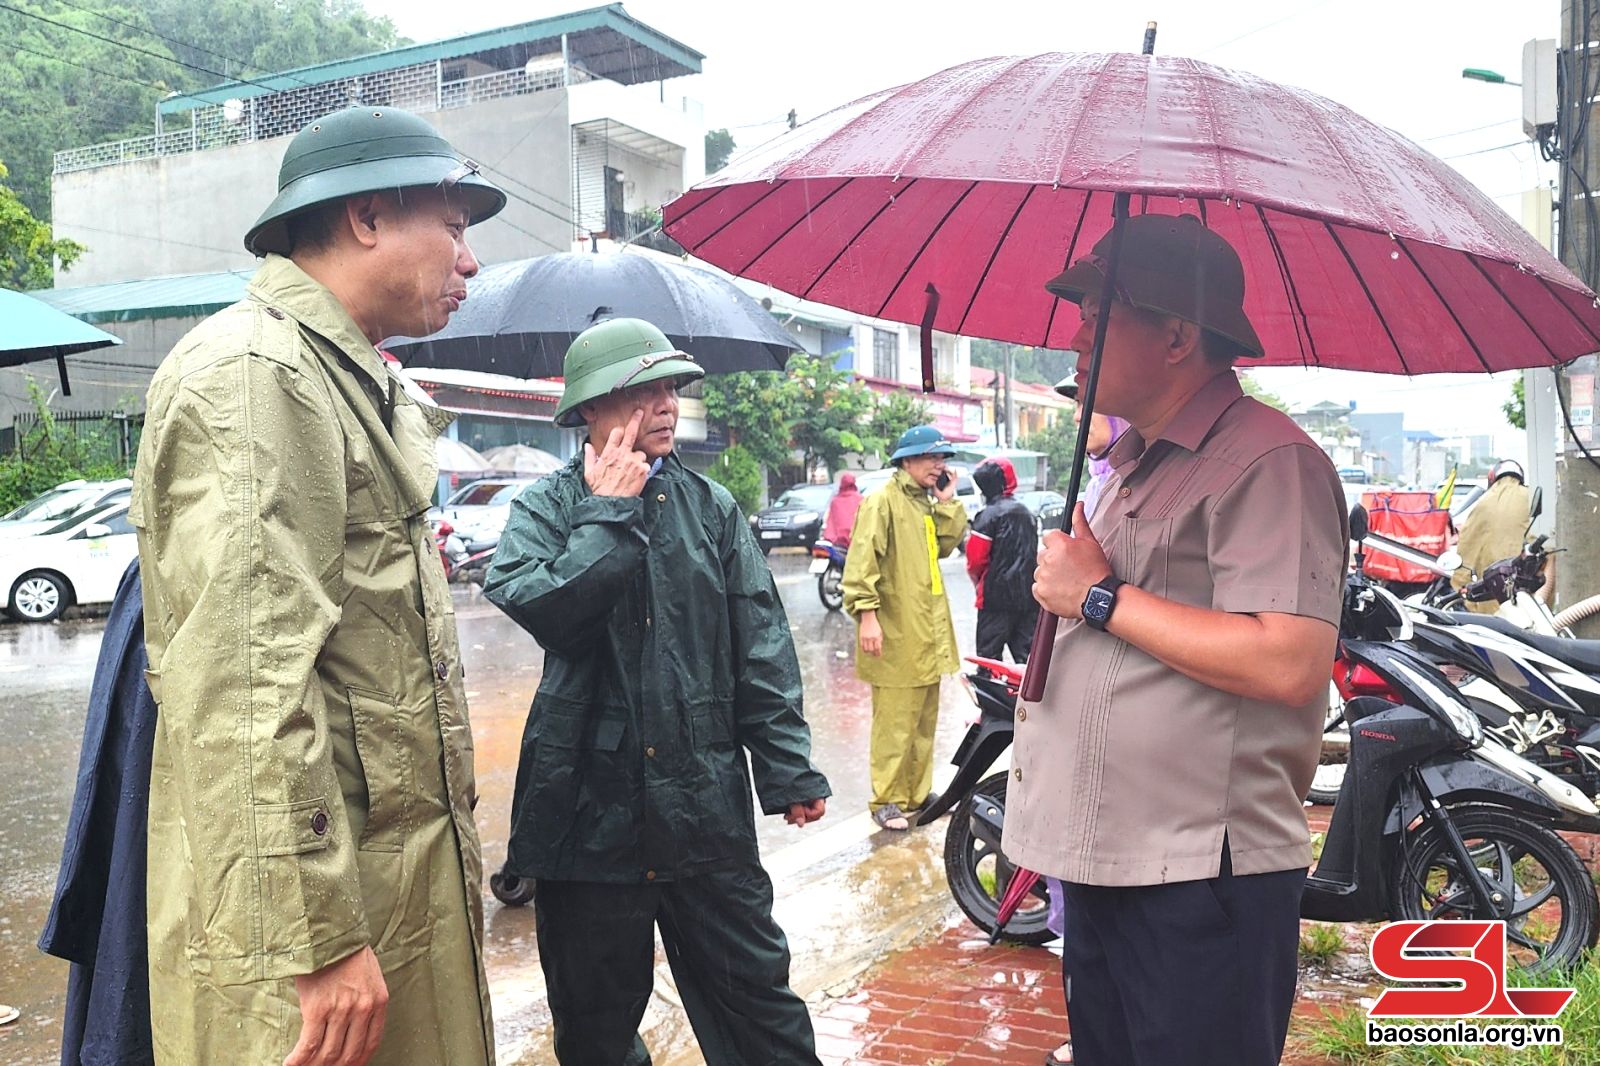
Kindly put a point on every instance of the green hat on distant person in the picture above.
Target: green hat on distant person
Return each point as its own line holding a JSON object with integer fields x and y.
{"x": 921, "y": 440}
{"x": 612, "y": 355}
{"x": 364, "y": 150}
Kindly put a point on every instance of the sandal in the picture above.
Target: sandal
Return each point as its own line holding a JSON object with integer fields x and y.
{"x": 890, "y": 816}
{"x": 1053, "y": 1058}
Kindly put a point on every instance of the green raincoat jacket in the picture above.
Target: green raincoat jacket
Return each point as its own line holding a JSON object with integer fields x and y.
{"x": 893, "y": 568}
{"x": 1493, "y": 531}
{"x": 312, "y": 782}
{"x": 667, "y": 657}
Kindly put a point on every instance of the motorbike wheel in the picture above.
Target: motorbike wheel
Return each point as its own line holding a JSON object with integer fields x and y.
{"x": 1331, "y": 764}
{"x": 830, "y": 587}
{"x": 978, "y": 875}
{"x": 510, "y": 889}
{"x": 1554, "y": 914}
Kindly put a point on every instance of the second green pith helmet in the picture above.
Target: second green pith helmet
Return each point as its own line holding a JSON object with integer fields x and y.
{"x": 364, "y": 150}
{"x": 613, "y": 355}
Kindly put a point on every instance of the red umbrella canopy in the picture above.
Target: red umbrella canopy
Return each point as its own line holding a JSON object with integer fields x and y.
{"x": 1361, "y": 250}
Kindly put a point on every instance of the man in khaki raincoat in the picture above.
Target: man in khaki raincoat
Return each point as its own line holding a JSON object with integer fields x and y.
{"x": 1493, "y": 530}
{"x": 314, "y": 868}
{"x": 893, "y": 588}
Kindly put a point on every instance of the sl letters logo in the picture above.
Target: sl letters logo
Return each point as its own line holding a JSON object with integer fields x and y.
{"x": 1411, "y": 952}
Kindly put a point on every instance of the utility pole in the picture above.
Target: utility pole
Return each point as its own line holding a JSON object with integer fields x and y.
{"x": 1011, "y": 425}
{"x": 1577, "y": 473}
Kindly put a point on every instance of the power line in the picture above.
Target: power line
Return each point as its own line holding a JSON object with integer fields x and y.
{"x": 1264, "y": 26}
{"x": 1474, "y": 129}
{"x": 154, "y": 33}
{"x": 1481, "y": 151}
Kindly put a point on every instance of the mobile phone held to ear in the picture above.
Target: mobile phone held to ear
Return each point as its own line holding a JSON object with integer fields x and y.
{"x": 943, "y": 482}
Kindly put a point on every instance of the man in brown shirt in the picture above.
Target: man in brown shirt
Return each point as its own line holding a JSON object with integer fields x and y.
{"x": 1162, "y": 774}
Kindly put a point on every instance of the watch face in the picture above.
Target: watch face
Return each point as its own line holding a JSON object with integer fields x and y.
{"x": 1097, "y": 605}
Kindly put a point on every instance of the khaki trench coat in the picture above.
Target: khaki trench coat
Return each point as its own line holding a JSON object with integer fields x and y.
{"x": 312, "y": 781}
{"x": 892, "y": 568}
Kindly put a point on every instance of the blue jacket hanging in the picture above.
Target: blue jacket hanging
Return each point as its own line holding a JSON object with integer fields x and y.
{"x": 97, "y": 920}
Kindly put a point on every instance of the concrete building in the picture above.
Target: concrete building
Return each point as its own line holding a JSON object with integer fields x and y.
{"x": 1383, "y": 442}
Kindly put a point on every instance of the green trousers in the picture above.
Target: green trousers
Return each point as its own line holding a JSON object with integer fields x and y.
{"x": 903, "y": 724}
{"x": 729, "y": 960}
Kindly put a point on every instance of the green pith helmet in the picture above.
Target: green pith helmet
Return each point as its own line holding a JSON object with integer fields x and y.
{"x": 363, "y": 150}
{"x": 613, "y": 355}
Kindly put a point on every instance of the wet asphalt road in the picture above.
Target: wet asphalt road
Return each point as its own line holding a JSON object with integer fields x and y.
{"x": 845, "y": 892}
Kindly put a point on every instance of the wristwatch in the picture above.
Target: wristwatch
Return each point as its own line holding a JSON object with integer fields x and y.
{"x": 1101, "y": 601}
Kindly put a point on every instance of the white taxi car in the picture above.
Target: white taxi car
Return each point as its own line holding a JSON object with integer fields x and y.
{"x": 78, "y": 560}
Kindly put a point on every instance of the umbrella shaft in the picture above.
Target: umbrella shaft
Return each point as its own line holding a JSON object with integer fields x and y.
{"x": 1044, "y": 630}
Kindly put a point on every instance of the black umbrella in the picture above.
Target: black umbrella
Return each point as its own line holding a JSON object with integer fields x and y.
{"x": 520, "y": 317}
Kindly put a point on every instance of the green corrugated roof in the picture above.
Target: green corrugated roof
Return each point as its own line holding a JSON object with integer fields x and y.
{"x": 179, "y": 296}
{"x": 606, "y": 40}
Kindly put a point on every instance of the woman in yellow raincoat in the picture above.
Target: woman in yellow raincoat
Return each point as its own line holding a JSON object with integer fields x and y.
{"x": 894, "y": 591}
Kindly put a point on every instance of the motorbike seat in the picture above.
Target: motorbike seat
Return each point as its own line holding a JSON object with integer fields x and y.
{"x": 1580, "y": 654}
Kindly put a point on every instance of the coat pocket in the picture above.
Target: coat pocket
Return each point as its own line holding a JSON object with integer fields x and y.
{"x": 383, "y": 744}
{"x": 292, "y": 828}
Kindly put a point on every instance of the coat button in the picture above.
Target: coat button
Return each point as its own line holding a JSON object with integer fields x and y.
{"x": 649, "y": 875}
{"x": 1124, "y": 492}
{"x": 319, "y": 823}
{"x": 650, "y": 753}
{"x": 1017, "y": 773}
{"x": 275, "y": 313}
{"x": 661, "y": 497}
{"x": 442, "y": 669}
{"x": 1022, "y": 714}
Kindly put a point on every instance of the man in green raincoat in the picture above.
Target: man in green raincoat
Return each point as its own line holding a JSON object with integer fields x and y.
{"x": 667, "y": 658}
{"x": 893, "y": 588}
{"x": 314, "y": 868}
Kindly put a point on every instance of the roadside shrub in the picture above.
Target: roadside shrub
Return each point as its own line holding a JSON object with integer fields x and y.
{"x": 737, "y": 471}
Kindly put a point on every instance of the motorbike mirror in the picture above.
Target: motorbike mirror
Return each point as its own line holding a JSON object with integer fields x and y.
{"x": 1450, "y": 560}
{"x": 1358, "y": 523}
{"x": 1536, "y": 505}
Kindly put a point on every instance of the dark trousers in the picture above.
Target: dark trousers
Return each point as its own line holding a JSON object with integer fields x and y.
{"x": 728, "y": 957}
{"x": 998, "y": 629}
{"x": 1194, "y": 973}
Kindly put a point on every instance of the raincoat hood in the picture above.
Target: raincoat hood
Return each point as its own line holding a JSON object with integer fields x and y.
{"x": 995, "y": 478}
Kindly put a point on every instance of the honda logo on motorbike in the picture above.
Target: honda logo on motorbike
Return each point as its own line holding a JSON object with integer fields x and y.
{"x": 1432, "y": 952}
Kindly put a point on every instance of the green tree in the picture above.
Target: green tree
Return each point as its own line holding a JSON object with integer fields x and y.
{"x": 757, "y": 407}
{"x": 1056, "y": 441}
{"x": 737, "y": 471}
{"x": 1516, "y": 408}
{"x": 82, "y": 72}
{"x": 719, "y": 147}
{"x": 28, "y": 250}
{"x": 894, "y": 413}
{"x": 832, "y": 409}
{"x": 48, "y": 454}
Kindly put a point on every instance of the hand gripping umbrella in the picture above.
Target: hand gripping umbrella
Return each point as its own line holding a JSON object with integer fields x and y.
{"x": 1361, "y": 251}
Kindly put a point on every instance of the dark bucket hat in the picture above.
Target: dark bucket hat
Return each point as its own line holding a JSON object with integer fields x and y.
{"x": 363, "y": 150}
{"x": 1174, "y": 265}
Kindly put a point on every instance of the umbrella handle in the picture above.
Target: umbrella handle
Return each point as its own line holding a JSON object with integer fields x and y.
{"x": 1037, "y": 671}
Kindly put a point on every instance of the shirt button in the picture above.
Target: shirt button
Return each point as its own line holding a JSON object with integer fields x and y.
{"x": 275, "y": 313}
{"x": 1017, "y": 773}
{"x": 661, "y": 497}
{"x": 650, "y": 753}
{"x": 442, "y": 669}
{"x": 1124, "y": 492}
{"x": 1022, "y": 714}
{"x": 649, "y": 875}
{"x": 319, "y": 823}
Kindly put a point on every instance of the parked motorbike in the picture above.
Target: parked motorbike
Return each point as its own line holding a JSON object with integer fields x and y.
{"x": 1433, "y": 821}
{"x": 975, "y": 866}
{"x": 827, "y": 562}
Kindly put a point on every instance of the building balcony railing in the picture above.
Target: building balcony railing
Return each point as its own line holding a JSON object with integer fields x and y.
{"x": 419, "y": 88}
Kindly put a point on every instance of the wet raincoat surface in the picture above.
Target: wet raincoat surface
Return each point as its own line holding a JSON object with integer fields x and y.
{"x": 668, "y": 655}
{"x": 900, "y": 535}
{"x": 312, "y": 780}
{"x": 1493, "y": 531}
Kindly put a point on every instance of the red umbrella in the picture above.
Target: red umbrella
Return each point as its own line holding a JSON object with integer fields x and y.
{"x": 949, "y": 202}
{"x": 1361, "y": 250}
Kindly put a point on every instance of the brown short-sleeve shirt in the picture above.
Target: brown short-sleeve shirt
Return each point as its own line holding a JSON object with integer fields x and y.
{"x": 1128, "y": 772}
